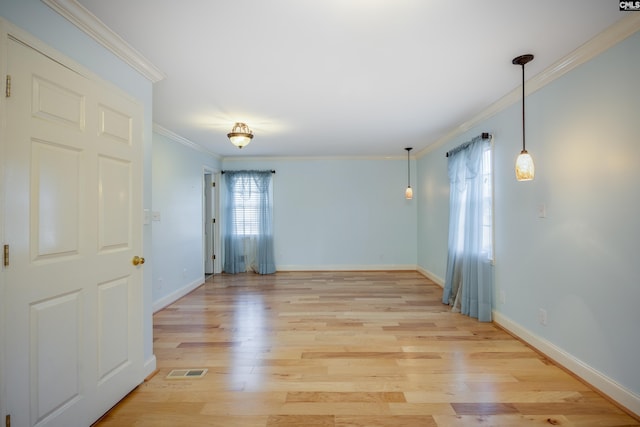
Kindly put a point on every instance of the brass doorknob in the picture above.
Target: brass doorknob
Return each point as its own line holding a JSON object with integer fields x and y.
{"x": 137, "y": 260}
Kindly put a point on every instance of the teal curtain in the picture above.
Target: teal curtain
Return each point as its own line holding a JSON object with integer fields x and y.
{"x": 248, "y": 222}
{"x": 469, "y": 276}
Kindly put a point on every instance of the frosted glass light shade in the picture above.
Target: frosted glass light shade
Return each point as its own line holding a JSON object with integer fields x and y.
{"x": 240, "y": 140}
{"x": 240, "y": 135}
{"x": 408, "y": 193}
{"x": 525, "y": 171}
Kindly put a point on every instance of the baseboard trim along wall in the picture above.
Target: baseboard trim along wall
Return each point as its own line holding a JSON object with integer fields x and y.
{"x": 150, "y": 365}
{"x": 355, "y": 267}
{"x": 616, "y": 392}
{"x": 176, "y": 295}
{"x": 431, "y": 276}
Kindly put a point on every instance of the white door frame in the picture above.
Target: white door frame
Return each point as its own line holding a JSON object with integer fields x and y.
{"x": 207, "y": 222}
{"x": 3, "y": 63}
{"x": 215, "y": 213}
{"x": 217, "y": 264}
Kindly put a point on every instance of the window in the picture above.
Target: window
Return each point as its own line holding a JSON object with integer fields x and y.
{"x": 469, "y": 277}
{"x": 485, "y": 198}
{"x": 246, "y": 207}
{"x": 487, "y": 203}
{"x": 247, "y": 222}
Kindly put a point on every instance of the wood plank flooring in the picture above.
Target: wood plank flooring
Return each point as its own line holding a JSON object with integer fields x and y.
{"x": 347, "y": 349}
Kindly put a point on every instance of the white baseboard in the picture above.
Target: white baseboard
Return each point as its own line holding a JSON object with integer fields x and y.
{"x": 342, "y": 267}
{"x": 176, "y": 295}
{"x": 150, "y": 365}
{"x": 621, "y": 395}
{"x": 429, "y": 275}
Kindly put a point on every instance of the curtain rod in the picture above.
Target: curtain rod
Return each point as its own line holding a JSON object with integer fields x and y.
{"x": 272, "y": 171}
{"x": 483, "y": 135}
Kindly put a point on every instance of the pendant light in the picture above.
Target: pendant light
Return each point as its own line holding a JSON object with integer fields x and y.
{"x": 525, "y": 171}
{"x": 408, "y": 193}
{"x": 240, "y": 135}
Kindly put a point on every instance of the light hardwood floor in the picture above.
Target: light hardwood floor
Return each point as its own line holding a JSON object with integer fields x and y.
{"x": 347, "y": 349}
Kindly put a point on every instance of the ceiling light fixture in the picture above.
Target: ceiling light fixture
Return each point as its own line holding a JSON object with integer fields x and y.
{"x": 240, "y": 135}
{"x": 408, "y": 193}
{"x": 525, "y": 171}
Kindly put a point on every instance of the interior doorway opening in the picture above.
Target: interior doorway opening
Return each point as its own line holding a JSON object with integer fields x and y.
{"x": 210, "y": 224}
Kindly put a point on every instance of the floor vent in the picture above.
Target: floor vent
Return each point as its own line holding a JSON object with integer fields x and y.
{"x": 181, "y": 374}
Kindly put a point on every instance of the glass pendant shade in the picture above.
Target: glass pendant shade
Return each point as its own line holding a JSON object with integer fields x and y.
{"x": 240, "y": 135}
{"x": 525, "y": 170}
{"x": 408, "y": 193}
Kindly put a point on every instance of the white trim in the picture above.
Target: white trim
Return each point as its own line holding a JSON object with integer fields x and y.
{"x": 3, "y": 125}
{"x": 177, "y": 294}
{"x": 594, "y": 47}
{"x": 150, "y": 365}
{"x": 182, "y": 140}
{"x": 82, "y": 18}
{"x": 431, "y": 276}
{"x": 302, "y": 158}
{"x": 624, "y": 397}
{"x": 347, "y": 267}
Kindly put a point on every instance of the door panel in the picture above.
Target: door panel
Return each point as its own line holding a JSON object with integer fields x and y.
{"x": 55, "y": 354}
{"x": 115, "y": 125}
{"x": 73, "y": 188}
{"x": 55, "y": 189}
{"x": 113, "y": 330}
{"x": 114, "y": 180}
{"x": 57, "y": 103}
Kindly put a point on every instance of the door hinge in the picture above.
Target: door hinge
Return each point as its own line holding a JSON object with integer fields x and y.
{"x": 213, "y": 257}
{"x": 7, "y": 421}
{"x": 6, "y": 256}
{"x": 213, "y": 221}
{"x": 213, "y": 184}
{"x": 7, "y": 90}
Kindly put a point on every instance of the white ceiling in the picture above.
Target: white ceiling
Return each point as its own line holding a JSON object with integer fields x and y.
{"x": 341, "y": 77}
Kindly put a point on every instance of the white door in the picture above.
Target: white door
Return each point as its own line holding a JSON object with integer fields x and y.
{"x": 73, "y": 212}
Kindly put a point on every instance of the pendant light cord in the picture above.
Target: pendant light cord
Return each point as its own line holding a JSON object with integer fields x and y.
{"x": 408, "y": 169}
{"x": 523, "y": 133}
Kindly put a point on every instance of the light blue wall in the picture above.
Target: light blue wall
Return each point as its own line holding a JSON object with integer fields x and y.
{"x": 178, "y": 179}
{"x": 433, "y": 212}
{"x": 42, "y": 22}
{"x": 580, "y": 263}
{"x": 340, "y": 213}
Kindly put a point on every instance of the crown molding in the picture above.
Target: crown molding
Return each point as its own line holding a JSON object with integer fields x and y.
{"x": 616, "y": 33}
{"x": 96, "y": 29}
{"x": 305, "y": 158}
{"x": 182, "y": 140}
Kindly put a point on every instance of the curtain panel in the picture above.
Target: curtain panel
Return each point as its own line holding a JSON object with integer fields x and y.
{"x": 248, "y": 222}
{"x": 469, "y": 275}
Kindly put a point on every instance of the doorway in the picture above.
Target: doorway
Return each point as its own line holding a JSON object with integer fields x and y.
{"x": 210, "y": 223}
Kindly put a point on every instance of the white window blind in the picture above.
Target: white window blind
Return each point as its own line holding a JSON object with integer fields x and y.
{"x": 246, "y": 207}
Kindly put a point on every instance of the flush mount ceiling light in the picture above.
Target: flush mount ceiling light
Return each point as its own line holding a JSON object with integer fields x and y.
{"x": 525, "y": 171}
{"x": 240, "y": 135}
{"x": 408, "y": 193}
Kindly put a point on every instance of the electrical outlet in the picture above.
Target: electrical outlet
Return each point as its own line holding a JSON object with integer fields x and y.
{"x": 542, "y": 316}
{"x": 542, "y": 210}
{"x": 502, "y": 297}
